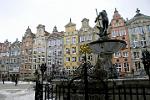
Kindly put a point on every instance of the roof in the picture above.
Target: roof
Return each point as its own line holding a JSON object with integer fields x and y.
{"x": 137, "y": 16}
{"x": 46, "y": 33}
{"x": 85, "y": 19}
{"x": 70, "y": 24}
{"x": 56, "y": 34}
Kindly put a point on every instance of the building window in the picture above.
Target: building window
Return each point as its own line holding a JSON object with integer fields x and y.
{"x": 34, "y": 60}
{"x": 117, "y": 54}
{"x": 137, "y": 65}
{"x": 122, "y": 32}
{"x": 132, "y": 31}
{"x": 125, "y": 54}
{"x": 67, "y": 51}
{"x": 148, "y": 28}
{"x": 14, "y": 60}
{"x": 143, "y": 43}
{"x": 141, "y": 30}
{"x": 73, "y": 49}
{"x": 85, "y": 29}
{"x": 73, "y": 59}
{"x": 136, "y": 54}
{"x": 35, "y": 67}
{"x": 82, "y": 38}
{"x": 59, "y": 53}
{"x": 113, "y": 34}
{"x": 116, "y": 32}
{"x": 43, "y": 59}
{"x": 135, "y": 44}
{"x": 126, "y": 66}
{"x": 73, "y": 40}
{"x": 89, "y": 37}
{"x": 89, "y": 57}
{"x": 67, "y": 40}
{"x": 67, "y": 58}
{"x": 118, "y": 66}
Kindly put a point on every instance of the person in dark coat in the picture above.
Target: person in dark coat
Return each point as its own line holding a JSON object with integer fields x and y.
{"x": 3, "y": 81}
{"x": 16, "y": 81}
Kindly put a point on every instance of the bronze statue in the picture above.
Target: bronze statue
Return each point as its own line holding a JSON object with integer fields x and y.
{"x": 103, "y": 21}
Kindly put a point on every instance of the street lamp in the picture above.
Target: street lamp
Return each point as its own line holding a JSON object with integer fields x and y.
{"x": 43, "y": 69}
{"x": 39, "y": 86}
{"x": 84, "y": 49}
{"x": 53, "y": 71}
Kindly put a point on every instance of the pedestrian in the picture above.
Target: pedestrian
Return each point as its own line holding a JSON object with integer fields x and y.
{"x": 16, "y": 81}
{"x": 3, "y": 81}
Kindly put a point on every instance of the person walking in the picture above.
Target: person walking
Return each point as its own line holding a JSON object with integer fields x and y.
{"x": 3, "y": 81}
{"x": 16, "y": 81}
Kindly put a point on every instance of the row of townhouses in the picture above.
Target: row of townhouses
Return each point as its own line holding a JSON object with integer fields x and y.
{"x": 61, "y": 50}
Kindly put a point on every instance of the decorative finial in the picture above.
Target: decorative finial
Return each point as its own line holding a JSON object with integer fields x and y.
{"x": 137, "y": 11}
{"x": 55, "y": 29}
{"x": 115, "y": 10}
{"x": 70, "y": 20}
{"x": 28, "y": 30}
{"x": 16, "y": 39}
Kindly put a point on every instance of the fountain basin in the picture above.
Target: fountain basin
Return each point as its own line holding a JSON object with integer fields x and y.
{"x": 107, "y": 46}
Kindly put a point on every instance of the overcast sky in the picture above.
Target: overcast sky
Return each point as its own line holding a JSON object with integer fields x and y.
{"x": 17, "y": 15}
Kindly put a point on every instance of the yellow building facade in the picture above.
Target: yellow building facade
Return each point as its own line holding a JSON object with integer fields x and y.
{"x": 71, "y": 48}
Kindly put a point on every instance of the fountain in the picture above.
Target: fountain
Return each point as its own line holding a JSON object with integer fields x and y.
{"x": 105, "y": 46}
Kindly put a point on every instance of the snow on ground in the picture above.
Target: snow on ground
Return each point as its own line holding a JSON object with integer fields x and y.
{"x": 17, "y": 94}
{"x": 19, "y": 82}
{"x": 23, "y": 91}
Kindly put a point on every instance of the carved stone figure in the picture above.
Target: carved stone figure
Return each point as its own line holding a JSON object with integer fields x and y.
{"x": 102, "y": 21}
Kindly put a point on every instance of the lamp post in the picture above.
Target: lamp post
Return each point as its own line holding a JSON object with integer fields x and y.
{"x": 38, "y": 92}
{"x": 53, "y": 71}
{"x": 39, "y": 85}
{"x": 84, "y": 49}
{"x": 43, "y": 69}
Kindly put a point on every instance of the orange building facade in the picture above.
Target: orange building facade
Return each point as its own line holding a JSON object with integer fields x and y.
{"x": 121, "y": 59}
